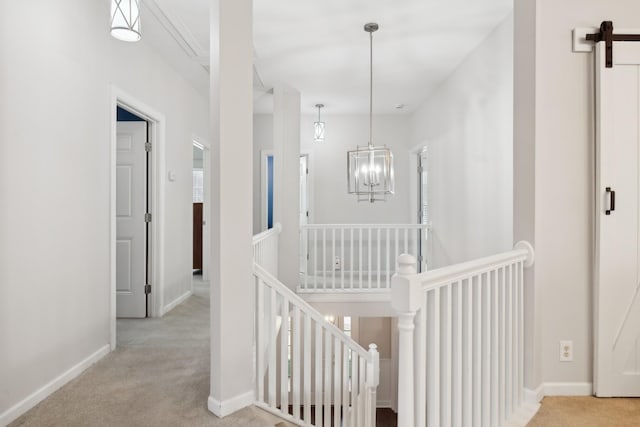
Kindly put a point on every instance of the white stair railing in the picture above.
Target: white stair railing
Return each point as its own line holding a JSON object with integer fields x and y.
{"x": 358, "y": 257}
{"x": 307, "y": 370}
{"x": 461, "y": 327}
{"x": 265, "y": 249}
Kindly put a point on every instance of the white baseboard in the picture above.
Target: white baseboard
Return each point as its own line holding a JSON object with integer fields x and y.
{"x": 229, "y": 406}
{"x": 176, "y": 302}
{"x": 568, "y": 389}
{"x": 43, "y": 392}
{"x": 533, "y": 397}
{"x": 383, "y": 404}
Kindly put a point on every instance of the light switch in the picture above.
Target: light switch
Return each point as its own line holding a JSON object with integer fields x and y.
{"x": 172, "y": 176}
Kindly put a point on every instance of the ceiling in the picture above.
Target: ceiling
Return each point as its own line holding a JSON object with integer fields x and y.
{"x": 321, "y": 49}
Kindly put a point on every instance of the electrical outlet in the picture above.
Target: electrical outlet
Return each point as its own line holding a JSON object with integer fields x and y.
{"x": 337, "y": 264}
{"x": 566, "y": 351}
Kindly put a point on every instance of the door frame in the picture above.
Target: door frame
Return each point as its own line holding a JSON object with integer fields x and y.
{"x": 156, "y": 125}
{"x": 205, "y": 146}
{"x": 264, "y": 180}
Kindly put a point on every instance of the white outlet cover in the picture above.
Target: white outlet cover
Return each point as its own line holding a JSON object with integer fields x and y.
{"x": 566, "y": 351}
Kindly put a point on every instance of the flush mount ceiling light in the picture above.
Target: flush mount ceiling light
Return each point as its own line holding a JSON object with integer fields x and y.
{"x": 318, "y": 135}
{"x": 370, "y": 169}
{"x": 125, "y": 20}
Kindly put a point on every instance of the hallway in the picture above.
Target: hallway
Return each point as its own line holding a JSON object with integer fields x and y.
{"x": 158, "y": 376}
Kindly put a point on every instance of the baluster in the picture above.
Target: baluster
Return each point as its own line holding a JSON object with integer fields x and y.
{"x": 315, "y": 258}
{"x": 351, "y": 258}
{"x": 486, "y": 351}
{"x": 502, "y": 348}
{"x": 333, "y": 258}
{"x": 307, "y": 369}
{"x": 495, "y": 374}
{"x": 295, "y": 374}
{"x": 457, "y": 384}
{"x": 327, "y": 379}
{"x": 509, "y": 342}
{"x": 467, "y": 401}
{"x": 446, "y": 383}
{"x": 360, "y": 257}
{"x": 477, "y": 354}
{"x": 337, "y": 365}
{"x": 369, "y": 251}
{"x": 260, "y": 323}
{"x": 342, "y": 260}
{"x": 284, "y": 356}
{"x": 324, "y": 258}
{"x": 521, "y": 334}
{"x": 421, "y": 376}
{"x": 345, "y": 386}
{"x": 273, "y": 319}
{"x": 406, "y": 240}
{"x": 307, "y": 246}
{"x": 434, "y": 372}
{"x": 355, "y": 367}
{"x": 388, "y": 261}
{"x": 396, "y": 254}
{"x": 318, "y": 375}
{"x": 362, "y": 392}
{"x": 379, "y": 246}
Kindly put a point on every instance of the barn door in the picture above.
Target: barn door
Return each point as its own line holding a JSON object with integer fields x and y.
{"x": 617, "y": 278}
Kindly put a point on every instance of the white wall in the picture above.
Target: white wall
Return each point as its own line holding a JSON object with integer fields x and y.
{"x": 555, "y": 123}
{"x": 466, "y": 125}
{"x": 54, "y": 251}
{"x": 329, "y": 201}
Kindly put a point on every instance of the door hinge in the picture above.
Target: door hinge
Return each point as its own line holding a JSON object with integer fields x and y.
{"x": 307, "y": 171}
{"x": 147, "y": 289}
{"x": 147, "y": 147}
{"x": 307, "y": 214}
{"x": 147, "y": 217}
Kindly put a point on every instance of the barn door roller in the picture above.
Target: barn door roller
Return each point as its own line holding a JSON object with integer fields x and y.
{"x": 606, "y": 35}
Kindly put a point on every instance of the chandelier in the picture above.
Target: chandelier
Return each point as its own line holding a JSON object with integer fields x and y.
{"x": 369, "y": 168}
{"x": 125, "y": 20}
{"x": 318, "y": 135}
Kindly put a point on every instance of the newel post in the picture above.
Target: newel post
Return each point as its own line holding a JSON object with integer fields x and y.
{"x": 373, "y": 380}
{"x": 405, "y": 300}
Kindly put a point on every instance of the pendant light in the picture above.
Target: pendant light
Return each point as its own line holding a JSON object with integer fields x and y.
{"x": 370, "y": 169}
{"x": 125, "y": 20}
{"x": 318, "y": 126}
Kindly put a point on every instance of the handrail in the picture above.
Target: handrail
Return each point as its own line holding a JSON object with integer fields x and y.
{"x": 257, "y": 238}
{"x": 364, "y": 226}
{"x": 461, "y": 340}
{"x": 313, "y": 313}
{"x": 288, "y": 333}
{"x": 442, "y": 276}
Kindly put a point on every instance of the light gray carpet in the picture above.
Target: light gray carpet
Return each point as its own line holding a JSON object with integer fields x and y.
{"x": 158, "y": 376}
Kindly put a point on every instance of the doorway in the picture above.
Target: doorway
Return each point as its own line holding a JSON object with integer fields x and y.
{"x": 201, "y": 207}
{"x": 151, "y": 201}
{"x": 133, "y": 214}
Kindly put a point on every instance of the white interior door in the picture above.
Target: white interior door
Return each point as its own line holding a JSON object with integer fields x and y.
{"x": 617, "y": 304}
{"x": 131, "y": 201}
{"x": 304, "y": 209}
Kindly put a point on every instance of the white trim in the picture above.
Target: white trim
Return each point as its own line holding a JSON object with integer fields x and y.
{"x": 205, "y": 146}
{"x": 229, "y": 406}
{"x": 157, "y": 123}
{"x": 384, "y": 404}
{"x": 534, "y": 396}
{"x": 43, "y": 392}
{"x": 263, "y": 185}
{"x": 568, "y": 389}
{"x": 345, "y": 296}
{"x": 182, "y": 298}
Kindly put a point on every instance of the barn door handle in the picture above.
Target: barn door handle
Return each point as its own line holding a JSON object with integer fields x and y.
{"x": 612, "y": 203}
